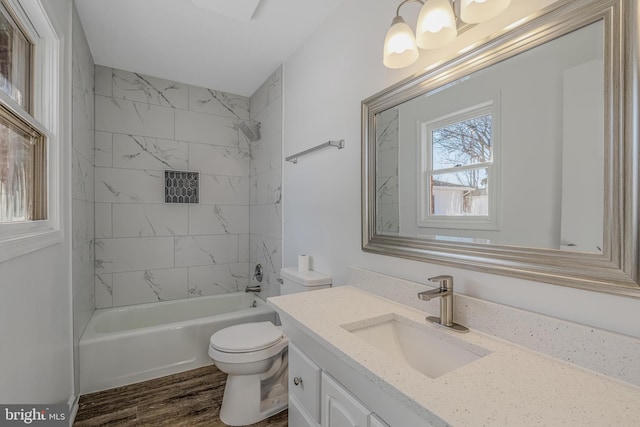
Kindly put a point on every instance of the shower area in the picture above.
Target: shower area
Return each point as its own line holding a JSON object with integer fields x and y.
{"x": 187, "y": 188}
{"x": 177, "y": 189}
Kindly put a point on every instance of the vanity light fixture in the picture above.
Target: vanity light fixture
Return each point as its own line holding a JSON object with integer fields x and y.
{"x": 437, "y": 26}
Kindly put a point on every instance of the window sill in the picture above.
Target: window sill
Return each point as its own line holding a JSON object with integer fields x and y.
{"x": 460, "y": 223}
{"x": 19, "y": 245}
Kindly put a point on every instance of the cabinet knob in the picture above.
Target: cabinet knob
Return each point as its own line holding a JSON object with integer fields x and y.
{"x": 297, "y": 380}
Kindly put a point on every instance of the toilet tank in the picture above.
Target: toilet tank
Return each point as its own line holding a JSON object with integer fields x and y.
{"x": 301, "y": 281}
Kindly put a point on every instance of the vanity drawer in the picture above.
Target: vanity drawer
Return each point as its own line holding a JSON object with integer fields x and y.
{"x": 306, "y": 374}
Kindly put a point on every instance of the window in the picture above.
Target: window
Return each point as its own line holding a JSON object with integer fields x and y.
{"x": 30, "y": 126}
{"x": 23, "y": 157}
{"x": 459, "y": 186}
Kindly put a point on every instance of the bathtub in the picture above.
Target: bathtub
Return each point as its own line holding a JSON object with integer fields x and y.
{"x": 125, "y": 345}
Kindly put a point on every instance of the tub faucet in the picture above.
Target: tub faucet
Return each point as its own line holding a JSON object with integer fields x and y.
{"x": 253, "y": 289}
{"x": 445, "y": 292}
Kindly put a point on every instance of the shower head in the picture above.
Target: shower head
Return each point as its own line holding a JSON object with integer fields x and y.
{"x": 251, "y": 130}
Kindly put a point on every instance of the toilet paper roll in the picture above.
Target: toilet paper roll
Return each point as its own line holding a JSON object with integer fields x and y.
{"x": 303, "y": 262}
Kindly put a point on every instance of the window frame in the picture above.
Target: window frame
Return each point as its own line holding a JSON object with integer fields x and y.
{"x": 425, "y": 159}
{"x": 20, "y": 238}
{"x": 26, "y": 29}
{"x": 38, "y": 190}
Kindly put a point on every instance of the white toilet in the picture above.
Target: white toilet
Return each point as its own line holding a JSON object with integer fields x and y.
{"x": 254, "y": 357}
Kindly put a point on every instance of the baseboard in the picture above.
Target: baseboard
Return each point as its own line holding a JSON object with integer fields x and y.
{"x": 73, "y": 408}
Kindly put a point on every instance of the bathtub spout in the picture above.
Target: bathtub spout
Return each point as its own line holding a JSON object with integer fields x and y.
{"x": 253, "y": 289}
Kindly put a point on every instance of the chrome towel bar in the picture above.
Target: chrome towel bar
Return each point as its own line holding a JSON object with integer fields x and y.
{"x": 294, "y": 157}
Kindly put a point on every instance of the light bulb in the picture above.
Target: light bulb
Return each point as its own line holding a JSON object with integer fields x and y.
{"x": 400, "y": 48}
{"x": 436, "y": 24}
{"x": 476, "y": 11}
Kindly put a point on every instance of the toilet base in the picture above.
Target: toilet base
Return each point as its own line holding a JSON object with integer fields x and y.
{"x": 240, "y": 401}
{"x": 249, "y": 399}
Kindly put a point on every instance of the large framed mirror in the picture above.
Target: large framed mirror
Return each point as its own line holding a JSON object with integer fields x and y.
{"x": 519, "y": 157}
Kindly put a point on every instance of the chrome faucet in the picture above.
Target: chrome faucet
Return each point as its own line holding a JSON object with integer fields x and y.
{"x": 253, "y": 289}
{"x": 445, "y": 292}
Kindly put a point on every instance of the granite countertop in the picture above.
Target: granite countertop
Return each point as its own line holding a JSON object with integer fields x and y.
{"x": 509, "y": 386}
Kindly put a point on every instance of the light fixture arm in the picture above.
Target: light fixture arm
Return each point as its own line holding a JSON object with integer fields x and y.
{"x": 407, "y": 1}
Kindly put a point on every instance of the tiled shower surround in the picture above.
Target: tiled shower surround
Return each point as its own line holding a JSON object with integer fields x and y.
{"x": 147, "y": 250}
{"x": 266, "y": 184}
{"x": 387, "y": 189}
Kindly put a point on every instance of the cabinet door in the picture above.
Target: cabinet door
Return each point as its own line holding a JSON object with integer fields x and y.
{"x": 339, "y": 407}
{"x": 298, "y": 416}
{"x": 304, "y": 382}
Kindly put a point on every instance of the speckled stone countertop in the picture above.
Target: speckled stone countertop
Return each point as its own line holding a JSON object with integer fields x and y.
{"x": 511, "y": 386}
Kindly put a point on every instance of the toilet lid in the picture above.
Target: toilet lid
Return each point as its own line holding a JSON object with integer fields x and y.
{"x": 246, "y": 337}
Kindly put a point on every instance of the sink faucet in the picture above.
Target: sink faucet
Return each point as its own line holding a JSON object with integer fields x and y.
{"x": 445, "y": 292}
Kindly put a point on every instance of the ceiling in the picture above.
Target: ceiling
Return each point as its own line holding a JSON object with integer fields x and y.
{"x": 227, "y": 45}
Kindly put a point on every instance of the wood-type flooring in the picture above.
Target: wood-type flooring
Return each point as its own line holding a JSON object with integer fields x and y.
{"x": 191, "y": 398}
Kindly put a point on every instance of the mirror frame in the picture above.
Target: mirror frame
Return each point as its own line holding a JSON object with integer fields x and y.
{"x": 616, "y": 270}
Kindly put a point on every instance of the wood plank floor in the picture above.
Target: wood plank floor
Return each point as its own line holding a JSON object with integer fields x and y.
{"x": 191, "y": 398}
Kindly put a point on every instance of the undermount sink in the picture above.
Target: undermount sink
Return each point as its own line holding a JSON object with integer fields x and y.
{"x": 423, "y": 347}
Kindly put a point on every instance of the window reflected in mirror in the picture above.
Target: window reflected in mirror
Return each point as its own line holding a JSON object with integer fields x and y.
{"x": 458, "y": 167}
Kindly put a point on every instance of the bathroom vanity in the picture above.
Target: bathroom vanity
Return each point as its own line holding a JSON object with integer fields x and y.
{"x": 315, "y": 395}
{"x": 343, "y": 370}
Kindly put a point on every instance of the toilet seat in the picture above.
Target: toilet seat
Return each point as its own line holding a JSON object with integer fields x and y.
{"x": 246, "y": 337}
{"x": 247, "y": 342}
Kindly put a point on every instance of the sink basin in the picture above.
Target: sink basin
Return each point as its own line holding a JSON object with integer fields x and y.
{"x": 421, "y": 346}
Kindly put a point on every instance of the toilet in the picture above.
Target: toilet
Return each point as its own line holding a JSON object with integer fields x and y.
{"x": 254, "y": 357}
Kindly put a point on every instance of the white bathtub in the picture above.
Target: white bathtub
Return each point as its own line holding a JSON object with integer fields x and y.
{"x": 125, "y": 345}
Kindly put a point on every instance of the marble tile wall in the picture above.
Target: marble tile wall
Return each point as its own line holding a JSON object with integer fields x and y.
{"x": 388, "y": 214}
{"x": 82, "y": 212}
{"x": 265, "y": 239}
{"x": 147, "y": 250}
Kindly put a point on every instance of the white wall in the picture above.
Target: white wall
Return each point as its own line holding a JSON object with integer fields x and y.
{"x": 36, "y": 364}
{"x": 325, "y": 82}
{"x": 582, "y": 179}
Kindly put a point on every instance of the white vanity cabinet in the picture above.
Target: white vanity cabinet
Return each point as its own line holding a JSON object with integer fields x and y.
{"x": 316, "y": 399}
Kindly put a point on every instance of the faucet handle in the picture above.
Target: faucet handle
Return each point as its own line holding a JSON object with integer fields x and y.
{"x": 446, "y": 282}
